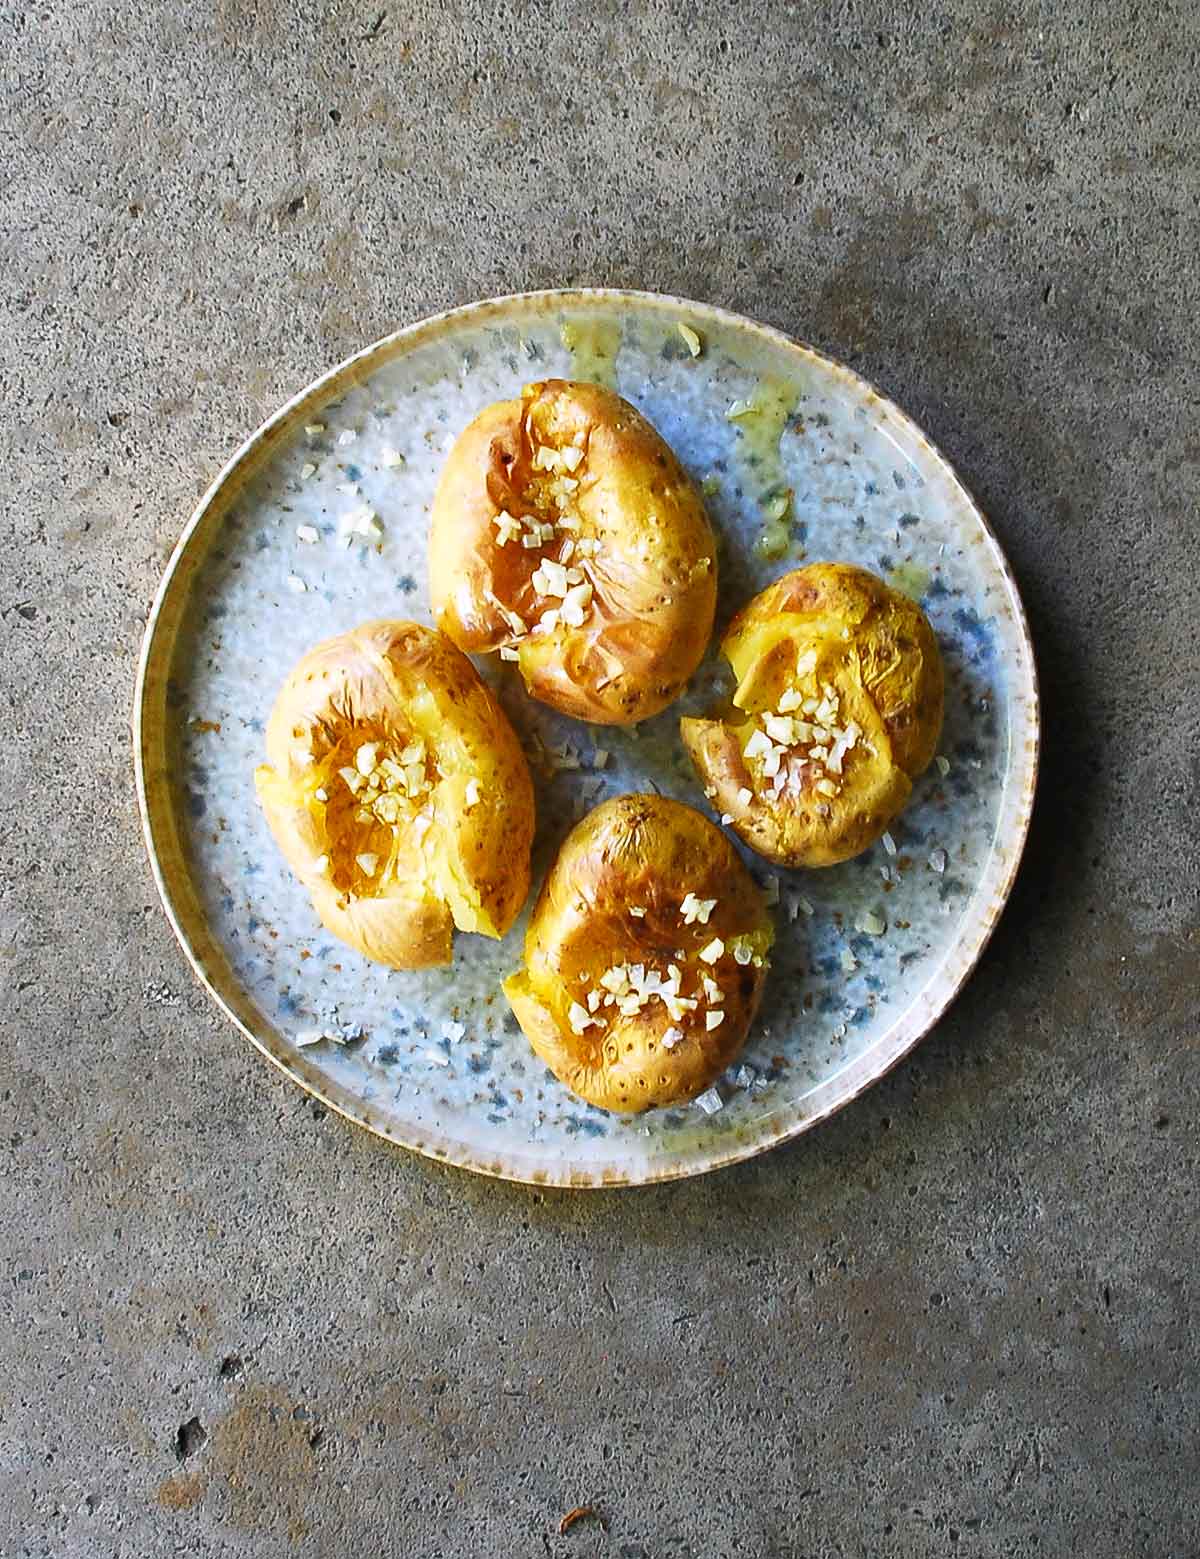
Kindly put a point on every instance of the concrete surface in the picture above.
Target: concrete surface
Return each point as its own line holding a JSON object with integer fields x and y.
{"x": 962, "y": 1318}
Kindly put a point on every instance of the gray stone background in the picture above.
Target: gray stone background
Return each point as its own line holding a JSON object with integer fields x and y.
{"x": 961, "y": 1319}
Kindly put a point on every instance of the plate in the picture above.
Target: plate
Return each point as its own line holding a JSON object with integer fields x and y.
{"x": 433, "y": 1059}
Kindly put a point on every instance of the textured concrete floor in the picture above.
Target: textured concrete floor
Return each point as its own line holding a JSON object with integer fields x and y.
{"x": 962, "y": 1318}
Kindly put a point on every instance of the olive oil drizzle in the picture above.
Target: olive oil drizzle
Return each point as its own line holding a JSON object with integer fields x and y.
{"x": 593, "y": 345}
{"x": 761, "y": 421}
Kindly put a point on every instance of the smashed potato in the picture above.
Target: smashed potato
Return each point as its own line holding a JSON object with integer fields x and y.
{"x": 837, "y": 709}
{"x": 399, "y": 794}
{"x": 566, "y": 536}
{"x": 645, "y": 956}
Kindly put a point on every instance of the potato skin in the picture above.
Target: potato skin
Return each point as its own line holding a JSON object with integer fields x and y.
{"x": 393, "y": 683}
{"x": 875, "y": 647}
{"x": 642, "y": 852}
{"x": 653, "y": 577}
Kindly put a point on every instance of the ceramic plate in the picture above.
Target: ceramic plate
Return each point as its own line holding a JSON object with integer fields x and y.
{"x": 433, "y": 1059}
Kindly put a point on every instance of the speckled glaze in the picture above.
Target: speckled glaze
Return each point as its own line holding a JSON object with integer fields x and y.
{"x": 433, "y": 1059}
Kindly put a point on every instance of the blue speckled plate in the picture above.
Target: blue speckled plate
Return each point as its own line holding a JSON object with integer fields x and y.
{"x": 433, "y": 1059}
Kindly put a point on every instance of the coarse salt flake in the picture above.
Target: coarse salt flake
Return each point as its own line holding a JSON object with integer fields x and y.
{"x": 691, "y": 339}
{"x": 710, "y": 1101}
{"x": 296, "y": 585}
{"x": 308, "y": 534}
{"x": 306, "y": 470}
{"x": 889, "y": 844}
{"x": 362, "y": 521}
{"x": 346, "y": 436}
{"x": 937, "y": 861}
{"x": 713, "y": 1019}
{"x": 870, "y": 923}
{"x": 712, "y": 951}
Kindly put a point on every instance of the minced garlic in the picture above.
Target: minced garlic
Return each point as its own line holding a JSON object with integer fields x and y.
{"x": 693, "y": 909}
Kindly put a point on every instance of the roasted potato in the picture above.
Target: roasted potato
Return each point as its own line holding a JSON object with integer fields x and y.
{"x": 645, "y": 956}
{"x": 399, "y": 794}
{"x": 837, "y": 709}
{"x": 566, "y": 535}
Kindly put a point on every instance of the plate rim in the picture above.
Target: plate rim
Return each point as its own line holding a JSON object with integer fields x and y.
{"x": 157, "y": 817}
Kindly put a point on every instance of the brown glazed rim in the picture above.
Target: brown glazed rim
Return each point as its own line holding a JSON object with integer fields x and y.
{"x": 172, "y": 875}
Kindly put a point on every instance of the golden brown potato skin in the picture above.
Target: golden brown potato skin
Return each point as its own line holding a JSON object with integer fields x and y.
{"x": 395, "y": 684}
{"x": 653, "y": 577}
{"x": 875, "y": 648}
{"x": 640, "y": 852}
